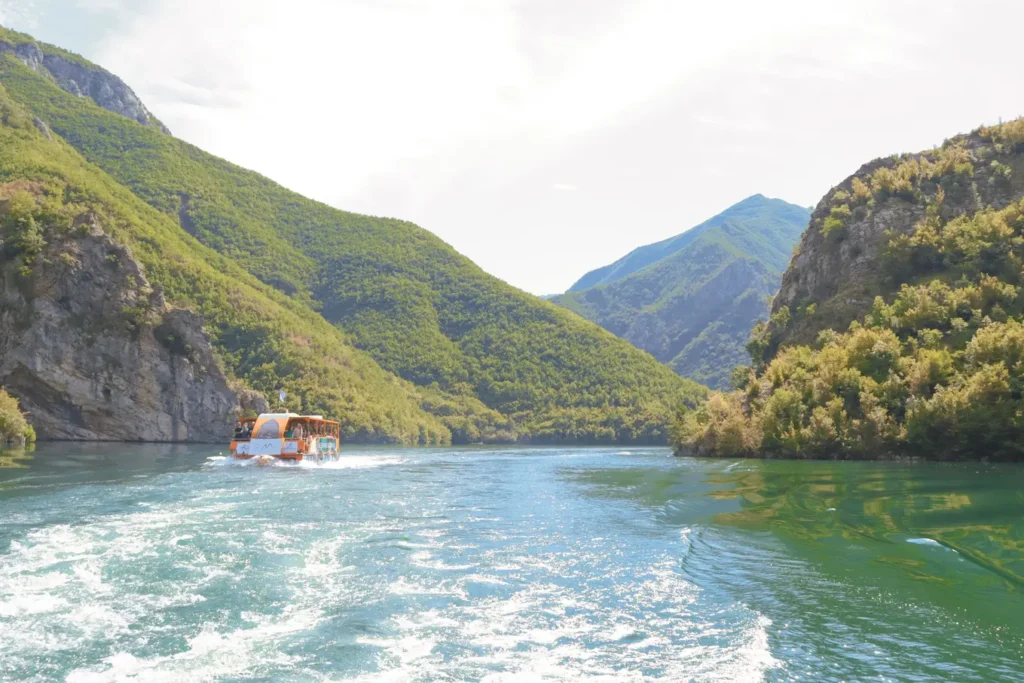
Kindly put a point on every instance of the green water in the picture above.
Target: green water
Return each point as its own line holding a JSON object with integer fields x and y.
{"x": 161, "y": 563}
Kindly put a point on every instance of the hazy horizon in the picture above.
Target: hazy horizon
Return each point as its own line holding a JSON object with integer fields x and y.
{"x": 543, "y": 140}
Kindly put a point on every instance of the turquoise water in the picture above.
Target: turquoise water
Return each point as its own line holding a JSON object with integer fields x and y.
{"x": 169, "y": 563}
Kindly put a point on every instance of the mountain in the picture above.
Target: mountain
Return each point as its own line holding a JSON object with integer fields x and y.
{"x": 691, "y": 300}
{"x": 374, "y": 320}
{"x": 763, "y": 215}
{"x": 899, "y": 325}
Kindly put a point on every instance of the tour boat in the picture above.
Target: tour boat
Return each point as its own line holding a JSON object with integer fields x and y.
{"x": 286, "y": 436}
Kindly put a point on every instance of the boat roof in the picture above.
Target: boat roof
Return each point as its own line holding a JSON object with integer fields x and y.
{"x": 294, "y": 416}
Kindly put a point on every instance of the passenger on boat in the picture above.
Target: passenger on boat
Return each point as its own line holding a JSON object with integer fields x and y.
{"x": 243, "y": 430}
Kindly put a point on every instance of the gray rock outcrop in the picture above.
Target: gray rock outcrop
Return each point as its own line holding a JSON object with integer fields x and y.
{"x": 82, "y": 79}
{"x": 93, "y": 352}
{"x": 842, "y": 273}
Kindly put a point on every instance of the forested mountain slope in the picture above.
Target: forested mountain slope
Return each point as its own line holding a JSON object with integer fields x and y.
{"x": 898, "y": 327}
{"x": 768, "y": 216}
{"x": 55, "y": 203}
{"x": 692, "y": 300}
{"x": 480, "y": 359}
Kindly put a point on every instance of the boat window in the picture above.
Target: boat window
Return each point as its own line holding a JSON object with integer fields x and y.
{"x": 269, "y": 430}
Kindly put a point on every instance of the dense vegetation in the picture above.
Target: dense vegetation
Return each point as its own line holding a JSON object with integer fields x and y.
{"x": 692, "y": 300}
{"x": 14, "y": 428}
{"x": 50, "y": 192}
{"x": 480, "y": 359}
{"x": 935, "y": 368}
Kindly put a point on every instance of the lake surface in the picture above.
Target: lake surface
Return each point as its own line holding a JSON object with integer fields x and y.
{"x": 170, "y": 563}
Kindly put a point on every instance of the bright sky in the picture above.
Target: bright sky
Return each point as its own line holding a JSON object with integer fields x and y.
{"x": 544, "y": 138}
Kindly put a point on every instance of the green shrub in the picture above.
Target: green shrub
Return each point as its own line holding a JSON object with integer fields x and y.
{"x": 14, "y": 428}
{"x": 1001, "y": 173}
{"x": 861, "y": 190}
{"x": 1011, "y": 132}
{"x": 719, "y": 427}
{"x": 837, "y": 219}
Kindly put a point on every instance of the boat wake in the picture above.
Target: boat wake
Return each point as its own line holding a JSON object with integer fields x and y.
{"x": 414, "y": 573}
{"x": 344, "y": 462}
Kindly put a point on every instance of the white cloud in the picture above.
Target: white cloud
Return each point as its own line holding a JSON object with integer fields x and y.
{"x": 100, "y": 5}
{"x": 322, "y": 95}
{"x": 457, "y": 114}
{"x": 746, "y": 125}
{"x": 18, "y": 14}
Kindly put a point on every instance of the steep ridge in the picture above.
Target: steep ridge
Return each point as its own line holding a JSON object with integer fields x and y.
{"x": 78, "y": 77}
{"x": 692, "y": 300}
{"x": 489, "y": 361}
{"x": 756, "y": 211}
{"x": 898, "y": 327}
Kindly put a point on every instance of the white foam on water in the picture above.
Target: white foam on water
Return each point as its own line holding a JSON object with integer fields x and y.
{"x": 65, "y": 588}
{"x": 344, "y": 462}
{"x": 933, "y": 543}
{"x": 408, "y": 545}
{"x": 210, "y": 655}
{"x": 279, "y": 544}
{"x": 617, "y": 633}
{"x": 355, "y": 462}
{"x": 447, "y": 609}
{"x": 432, "y": 533}
{"x": 423, "y": 559}
{"x": 486, "y": 579}
{"x": 322, "y": 559}
{"x": 32, "y": 601}
{"x": 430, "y": 619}
{"x": 649, "y": 627}
{"x": 406, "y": 649}
{"x": 404, "y": 586}
{"x": 646, "y": 643}
{"x": 924, "y": 541}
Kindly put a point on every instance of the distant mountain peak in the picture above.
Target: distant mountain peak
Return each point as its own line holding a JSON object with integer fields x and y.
{"x": 757, "y": 209}
{"x": 691, "y": 300}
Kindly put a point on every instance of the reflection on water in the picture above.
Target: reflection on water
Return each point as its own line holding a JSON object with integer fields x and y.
{"x": 976, "y": 510}
{"x": 889, "y": 571}
{"x": 16, "y": 458}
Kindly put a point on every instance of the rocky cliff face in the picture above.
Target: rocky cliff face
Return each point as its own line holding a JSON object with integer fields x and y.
{"x": 104, "y": 88}
{"x": 93, "y": 352}
{"x": 840, "y": 271}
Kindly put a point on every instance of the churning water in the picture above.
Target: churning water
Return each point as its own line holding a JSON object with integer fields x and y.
{"x": 171, "y": 563}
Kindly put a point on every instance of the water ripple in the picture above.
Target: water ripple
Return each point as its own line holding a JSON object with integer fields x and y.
{"x": 480, "y": 565}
